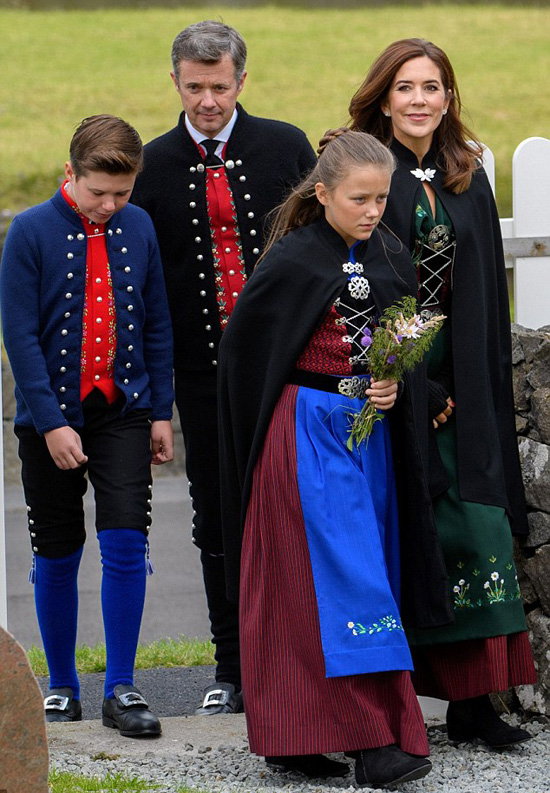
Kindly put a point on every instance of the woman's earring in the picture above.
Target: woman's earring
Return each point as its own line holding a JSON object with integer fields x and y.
{"x": 387, "y": 113}
{"x": 444, "y": 112}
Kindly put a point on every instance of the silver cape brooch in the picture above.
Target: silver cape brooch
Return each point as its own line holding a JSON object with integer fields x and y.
{"x": 424, "y": 176}
{"x": 352, "y": 267}
{"x": 359, "y": 287}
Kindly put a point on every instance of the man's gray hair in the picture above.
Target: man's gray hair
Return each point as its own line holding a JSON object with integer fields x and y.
{"x": 208, "y": 42}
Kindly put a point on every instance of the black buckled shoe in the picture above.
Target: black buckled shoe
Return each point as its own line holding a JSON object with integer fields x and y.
{"x": 313, "y": 766}
{"x": 471, "y": 719}
{"x": 59, "y": 705}
{"x": 129, "y": 713}
{"x": 220, "y": 698}
{"x": 389, "y": 765}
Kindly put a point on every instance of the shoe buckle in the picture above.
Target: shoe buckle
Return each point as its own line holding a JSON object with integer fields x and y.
{"x": 131, "y": 699}
{"x": 216, "y": 697}
{"x": 56, "y": 702}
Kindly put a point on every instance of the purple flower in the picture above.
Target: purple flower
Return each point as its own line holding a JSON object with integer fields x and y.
{"x": 391, "y": 359}
{"x": 399, "y": 337}
{"x": 366, "y": 341}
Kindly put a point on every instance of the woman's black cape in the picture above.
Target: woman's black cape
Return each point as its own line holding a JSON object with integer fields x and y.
{"x": 488, "y": 462}
{"x": 287, "y": 296}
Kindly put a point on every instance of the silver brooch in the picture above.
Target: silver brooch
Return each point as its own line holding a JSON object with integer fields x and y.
{"x": 424, "y": 176}
{"x": 352, "y": 387}
{"x": 359, "y": 287}
{"x": 350, "y": 267}
{"x": 439, "y": 237}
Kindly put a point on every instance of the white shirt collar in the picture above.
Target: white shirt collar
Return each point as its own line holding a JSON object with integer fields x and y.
{"x": 223, "y": 135}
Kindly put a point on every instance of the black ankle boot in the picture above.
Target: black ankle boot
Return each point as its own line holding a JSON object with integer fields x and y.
{"x": 468, "y": 719}
{"x": 389, "y": 765}
{"x": 314, "y": 766}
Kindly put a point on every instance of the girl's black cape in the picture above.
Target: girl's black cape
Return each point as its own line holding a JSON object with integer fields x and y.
{"x": 287, "y": 296}
{"x": 488, "y": 461}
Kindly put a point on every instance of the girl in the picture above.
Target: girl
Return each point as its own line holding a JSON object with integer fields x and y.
{"x": 325, "y": 663}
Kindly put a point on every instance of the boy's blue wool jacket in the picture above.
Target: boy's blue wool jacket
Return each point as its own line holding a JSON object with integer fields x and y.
{"x": 42, "y": 283}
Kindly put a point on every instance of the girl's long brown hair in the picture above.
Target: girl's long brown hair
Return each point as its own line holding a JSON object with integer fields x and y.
{"x": 458, "y": 150}
{"x": 340, "y": 153}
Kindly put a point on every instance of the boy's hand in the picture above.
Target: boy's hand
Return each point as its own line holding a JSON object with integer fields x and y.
{"x": 382, "y": 393}
{"x": 65, "y": 447}
{"x": 162, "y": 442}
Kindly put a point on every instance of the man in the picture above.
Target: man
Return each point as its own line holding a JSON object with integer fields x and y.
{"x": 208, "y": 185}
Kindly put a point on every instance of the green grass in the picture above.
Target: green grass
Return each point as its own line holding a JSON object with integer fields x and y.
{"x": 304, "y": 65}
{"x": 118, "y": 783}
{"x": 162, "y": 653}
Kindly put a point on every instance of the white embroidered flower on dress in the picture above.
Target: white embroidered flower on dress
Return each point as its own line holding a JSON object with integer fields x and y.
{"x": 424, "y": 176}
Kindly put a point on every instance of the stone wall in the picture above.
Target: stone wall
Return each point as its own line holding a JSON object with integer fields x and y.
{"x": 531, "y": 362}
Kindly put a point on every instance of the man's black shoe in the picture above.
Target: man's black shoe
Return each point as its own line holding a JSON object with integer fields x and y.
{"x": 59, "y": 705}
{"x": 389, "y": 765}
{"x": 220, "y": 698}
{"x": 129, "y": 713}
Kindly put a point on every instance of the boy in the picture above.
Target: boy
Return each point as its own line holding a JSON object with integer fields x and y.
{"x": 87, "y": 331}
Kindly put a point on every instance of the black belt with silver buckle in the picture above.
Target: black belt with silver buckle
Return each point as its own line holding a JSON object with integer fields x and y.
{"x": 353, "y": 386}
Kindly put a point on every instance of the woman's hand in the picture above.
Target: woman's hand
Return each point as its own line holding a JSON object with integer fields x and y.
{"x": 442, "y": 417}
{"x": 382, "y": 393}
{"x": 65, "y": 447}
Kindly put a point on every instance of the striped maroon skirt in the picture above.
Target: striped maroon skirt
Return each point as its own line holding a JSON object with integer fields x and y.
{"x": 291, "y": 707}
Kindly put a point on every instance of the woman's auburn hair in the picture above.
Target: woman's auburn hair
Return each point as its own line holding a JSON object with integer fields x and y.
{"x": 458, "y": 152}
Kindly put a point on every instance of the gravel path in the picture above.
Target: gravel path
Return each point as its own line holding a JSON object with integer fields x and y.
{"x": 232, "y": 769}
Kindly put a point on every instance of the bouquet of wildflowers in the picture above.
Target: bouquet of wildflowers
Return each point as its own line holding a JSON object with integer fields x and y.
{"x": 397, "y": 345}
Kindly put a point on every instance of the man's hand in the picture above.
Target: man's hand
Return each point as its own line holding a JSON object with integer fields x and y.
{"x": 65, "y": 447}
{"x": 442, "y": 418}
{"x": 162, "y": 442}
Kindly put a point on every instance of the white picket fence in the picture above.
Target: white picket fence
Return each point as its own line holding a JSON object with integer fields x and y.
{"x": 527, "y": 246}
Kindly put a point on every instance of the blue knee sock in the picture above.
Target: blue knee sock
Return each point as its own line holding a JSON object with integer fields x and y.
{"x": 122, "y": 599}
{"x": 56, "y": 598}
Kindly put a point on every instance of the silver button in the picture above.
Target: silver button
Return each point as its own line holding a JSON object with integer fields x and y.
{"x": 68, "y": 295}
{"x": 99, "y": 320}
{"x": 202, "y": 293}
{"x": 192, "y": 204}
{"x": 247, "y": 196}
{"x": 96, "y": 377}
{"x": 64, "y": 332}
{"x": 250, "y": 214}
{"x": 63, "y": 352}
{"x": 70, "y": 237}
{"x": 63, "y": 407}
{"x": 130, "y": 347}
{"x": 129, "y": 288}
{"x": 135, "y": 397}
{"x": 124, "y": 250}
{"x": 208, "y": 327}
{"x": 62, "y": 389}
{"x": 201, "y": 276}
{"x": 126, "y": 381}
{"x": 80, "y": 236}
{"x": 224, "y": 228}
{"x": 70, "y": 256}
{"x": 200, "y": 168}
{"x": 255, "y": 250}
{"x": 98, "y": 339}
{"x": 98, "y": 280}
{"x": 235, "y": 294}
{"x": 119, "y": 231}
{"x": 110, "y": 232}
{"x": 130, "y": 308}
{"x": 195, "y": 222}
{"x": 228, "y": 250}
{"x": 67, "y": 314}
{"x": 191, "y": 186}
{"x": 35, "y": 549}
{"x": 232, "y": 272}
{"x": 97, "y": 358}
{"x": 229, "y": 164}
{"x": 252, "y": 232}
{"x": 215, "y": 363}
{"x": 127, "y": 269}
{"x": 99, "y": 299}
{"x": 130, "y": 327}
{"x": 63, "y": 369}
{"x": 33, "y": 534}
{"x": 216, "y": 175}
{"x": 205, "y": 311}
{"x": 128, "y": 365}
{"x": 200, "y": 257}
{"x": 197, "y": 239}
{"x": 211, "y": 344}
{"x": 192, "y": 169}
{"x": 242, "y": 178}
{"x": 239, "y": 162}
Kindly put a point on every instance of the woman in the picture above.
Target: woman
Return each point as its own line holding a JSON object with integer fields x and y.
{"x": 324, "y": 658}
{"x": 442, "y": 208}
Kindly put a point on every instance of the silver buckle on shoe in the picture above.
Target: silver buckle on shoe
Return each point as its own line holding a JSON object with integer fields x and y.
{"x": 131, "y": 699}
{"x": 216, "y": 697}
{"x": 56, "y": 702}
{"x": 353, "y": 387}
